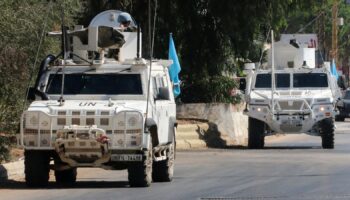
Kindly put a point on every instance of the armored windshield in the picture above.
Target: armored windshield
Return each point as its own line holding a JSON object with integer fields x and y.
{"x": 264, "y": 80}
{"x": 310, "y": 80}
{"x": 109, "y": 84}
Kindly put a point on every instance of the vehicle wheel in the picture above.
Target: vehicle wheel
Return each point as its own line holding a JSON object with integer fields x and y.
{"x": 256, "y": 135}
{"x": 163, "y": 171}
{"x": 327, "y": 133}
{"x": 339, "y": 118}
{"x": 140, "y": 173}
{"x": 66, "y": 176}
{"x": 36, "y": 168}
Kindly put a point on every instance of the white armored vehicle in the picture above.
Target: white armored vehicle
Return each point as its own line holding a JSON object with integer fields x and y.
{"x": 103, "y": 106}
{"x": 294, "y": 98}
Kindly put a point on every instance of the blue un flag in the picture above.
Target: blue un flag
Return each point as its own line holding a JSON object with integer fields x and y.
{"x": 175, "y": 68}
{"x": 334, "y": 70}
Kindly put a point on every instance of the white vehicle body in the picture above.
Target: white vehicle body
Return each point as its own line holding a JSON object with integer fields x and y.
{"x": 44, "y": 119}
{"x": 114, "y": 113}
{"x": 296, "y": 110}
{"x": 291, "y": 99}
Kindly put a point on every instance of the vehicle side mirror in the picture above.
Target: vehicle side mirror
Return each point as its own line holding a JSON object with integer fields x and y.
{"x": 242, "y": 84}
{"x": 163, "y": 94}
{"x": 33, "y": 93}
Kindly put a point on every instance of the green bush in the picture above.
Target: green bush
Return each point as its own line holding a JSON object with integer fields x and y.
{"x": 216, "y": 89}
{"x": 23, "y": 23}
{"x": 4, "y": 149}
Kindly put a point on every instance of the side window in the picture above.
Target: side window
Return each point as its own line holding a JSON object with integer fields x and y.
{"x": 157, "y": 83}
{"x": 165, "y": 82}
{"x": 154, "y": 87}
{"x": 159, "y": 87}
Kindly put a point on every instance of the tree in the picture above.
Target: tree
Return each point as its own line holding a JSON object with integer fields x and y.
{"x": 21, "y": 33}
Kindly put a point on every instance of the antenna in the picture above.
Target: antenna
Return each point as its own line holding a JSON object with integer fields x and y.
{"x": 151, "y": 43}
{"x": 138, "y": 42}
{"x": 65, "y": 55}
{"x": 272, "y": 75}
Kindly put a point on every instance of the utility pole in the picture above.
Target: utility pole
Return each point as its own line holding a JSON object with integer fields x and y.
{"x": 334, "y": 53}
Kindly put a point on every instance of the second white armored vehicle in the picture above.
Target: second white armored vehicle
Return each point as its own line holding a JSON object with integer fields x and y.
{"x": 104, "y": 106}
{"x": 291, "y": 99}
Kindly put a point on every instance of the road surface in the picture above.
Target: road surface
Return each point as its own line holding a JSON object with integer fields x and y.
{"x": 291, "y": 167}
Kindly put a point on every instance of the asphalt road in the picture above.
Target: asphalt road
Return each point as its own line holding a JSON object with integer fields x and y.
{"x": 291, "y": 167}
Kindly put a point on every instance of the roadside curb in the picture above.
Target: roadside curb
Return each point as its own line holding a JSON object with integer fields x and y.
{"x": 11, "y": 170}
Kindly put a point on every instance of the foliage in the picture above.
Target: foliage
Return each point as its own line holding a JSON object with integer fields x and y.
{"x": 214, "y": 89}
{"x": 4, "y": 150}
{"x": 23, "y": 23}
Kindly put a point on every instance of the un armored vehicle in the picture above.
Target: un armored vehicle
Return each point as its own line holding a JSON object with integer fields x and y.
{"x": 291, "y": 99}
{"x": 103, "y": 106}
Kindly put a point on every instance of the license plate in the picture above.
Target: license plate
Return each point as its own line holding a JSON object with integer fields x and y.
{"x": 125, "y": 157}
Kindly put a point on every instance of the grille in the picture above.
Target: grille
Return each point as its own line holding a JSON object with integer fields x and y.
{"x": 61, "y": 113}
{"x": 90, "y": 121}
{"x": 104, "y": 113}
{"x": 30, "y": 131}
{"x": 124, "y": 130}
{"x": 133, "y": 131}
{"x": 61, "y": 121}
{"x": 76, "y": 121}
{"x": 44, "y": 131}
{"x": 290, "y": 128}
{"x": 291, "y": 105}
{"x": 104, "y": 121}
{"x": 75, "y": 112}
{"x": 90, "y": 113}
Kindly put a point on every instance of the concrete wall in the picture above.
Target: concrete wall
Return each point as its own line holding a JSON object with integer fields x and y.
{"x": 231, "y": 124}
{"x": 11, "y": 171}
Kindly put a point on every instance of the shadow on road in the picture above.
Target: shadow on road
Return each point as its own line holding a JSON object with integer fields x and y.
{"x": 12, "y": 184}
{"x": 272, "y": 147}
{"x": 293, "y": 147}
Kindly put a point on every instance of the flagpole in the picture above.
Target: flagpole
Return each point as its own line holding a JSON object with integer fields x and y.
{"x": 150, "y": 53}
{"x": 272, "y": 75}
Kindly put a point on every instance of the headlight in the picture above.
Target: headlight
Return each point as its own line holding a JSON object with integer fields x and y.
{"x": 36, "y": 125}
{"x": 129, "y": 128}
{"x": 36, "y": 120}
{"x": 260, "y": 109}
{"x": 323, "y": 108}
{"x": 134, "y": 120}
{"x": 31, "y": 120}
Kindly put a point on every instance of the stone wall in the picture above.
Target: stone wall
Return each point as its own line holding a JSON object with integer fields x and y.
{"x": 229, "y": 119}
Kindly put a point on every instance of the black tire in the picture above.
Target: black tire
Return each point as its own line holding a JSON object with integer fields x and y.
{"x": 163, "y": 171}
{"x": 327, "y": 133}
{"x": 339, "y": 118}
{"x": 256, "y": 135}
{"x": 36, "y": 168}
{"x": 66, "y": 176}
{"x": 140, "y": 173}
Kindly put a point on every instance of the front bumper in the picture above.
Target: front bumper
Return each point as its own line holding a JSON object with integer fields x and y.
{"x": 291, "y": 116}
{"x": 39, "y": 130}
